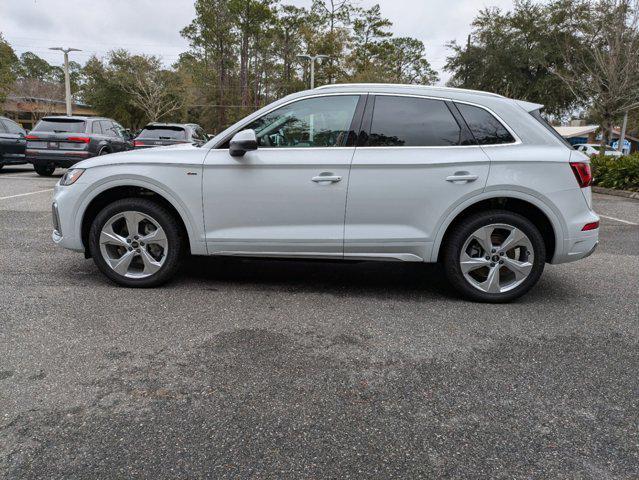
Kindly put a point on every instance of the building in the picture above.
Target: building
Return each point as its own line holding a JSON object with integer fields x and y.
{"x": 579, "y": 134}
{"x": 28, "y": 110}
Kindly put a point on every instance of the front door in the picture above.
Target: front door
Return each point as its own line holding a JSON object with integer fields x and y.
{"x": 288, "y": 197}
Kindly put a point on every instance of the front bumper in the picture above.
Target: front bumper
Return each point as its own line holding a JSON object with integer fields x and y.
{"x": 66, "y": 231}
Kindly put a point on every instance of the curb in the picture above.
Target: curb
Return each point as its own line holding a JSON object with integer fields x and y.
{"x": 616, "y": 193}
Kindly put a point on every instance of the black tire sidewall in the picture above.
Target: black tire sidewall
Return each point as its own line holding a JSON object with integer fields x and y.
{"x": 470, "y": 224}
{"x": 160, "y": 215}
{"x": 44, "y": 171}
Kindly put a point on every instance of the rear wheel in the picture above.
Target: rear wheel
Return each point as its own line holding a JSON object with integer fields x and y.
{"x": 45, "y": 171}
{"x": 136, "y": 243}
{"x": 494, "y": 256}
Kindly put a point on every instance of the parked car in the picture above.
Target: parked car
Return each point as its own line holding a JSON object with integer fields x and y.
{"x": 162, "y": 134}
{"x": 60, "y": 141}
{"x": 591, "y": 149}
{"x": 476, "y": 181}
{"x": 12, "y": 143}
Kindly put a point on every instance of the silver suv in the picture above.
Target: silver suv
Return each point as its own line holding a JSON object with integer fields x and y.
{"x": 476, "y": 181}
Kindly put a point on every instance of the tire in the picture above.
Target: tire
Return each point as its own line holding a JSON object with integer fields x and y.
{"x": 45, "y": 171}
{"x": 103, "y": 151}
{"x": 502, "y": 275}
{"x": 142, "y": 266}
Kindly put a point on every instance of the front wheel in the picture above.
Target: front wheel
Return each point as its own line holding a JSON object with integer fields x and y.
{"x": 495, "y": 256}
{"x": 45, "y": 171}
{"x": 136, "y": 243}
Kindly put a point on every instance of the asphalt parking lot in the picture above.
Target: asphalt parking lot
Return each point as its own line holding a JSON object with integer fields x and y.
{"x": 278, "y": 369}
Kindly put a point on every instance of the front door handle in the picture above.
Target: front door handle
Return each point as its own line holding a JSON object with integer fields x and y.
{"x": 462, "y": 177}
{"x": 326, "y": 177}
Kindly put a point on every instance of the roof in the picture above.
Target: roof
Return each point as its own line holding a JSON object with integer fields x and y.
{"x": 572, "y": 132}
{"x": 168, "y": 125}
{"x": 373, "y": 86}
{"x": 70, "y": 117}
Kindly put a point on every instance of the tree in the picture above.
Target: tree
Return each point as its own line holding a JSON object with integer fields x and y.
{"x": 8, "y": 66}
{"x": 517, "y": 53}
{"x": 152, "y": 89}
{"x": 603, "y": 68}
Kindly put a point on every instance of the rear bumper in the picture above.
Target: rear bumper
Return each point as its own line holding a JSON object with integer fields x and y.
{"x": 61, "y": 158}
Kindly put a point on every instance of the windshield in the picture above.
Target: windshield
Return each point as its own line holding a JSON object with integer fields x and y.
{"x": 60, "y": 125}
{"x": 163, "y": 133}
{"x": 605, "y": 149}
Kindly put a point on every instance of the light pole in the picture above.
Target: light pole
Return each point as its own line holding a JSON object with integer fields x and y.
{"x": 312, "y": 59}
{"x": 67, "y": 81}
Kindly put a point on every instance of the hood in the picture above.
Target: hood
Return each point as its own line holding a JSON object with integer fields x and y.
{"x": 166, "y": 154}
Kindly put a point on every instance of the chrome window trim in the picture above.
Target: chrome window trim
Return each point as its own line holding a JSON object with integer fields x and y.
{"x": 428, "y": 97}
{"x": 517, "y": 141}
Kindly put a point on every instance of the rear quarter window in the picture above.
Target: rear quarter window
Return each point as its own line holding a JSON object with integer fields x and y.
{"x": 536, "y": 114}
{"x": 486, "y": 129}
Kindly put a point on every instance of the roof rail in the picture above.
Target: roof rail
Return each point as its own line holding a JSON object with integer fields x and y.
{"x": 404, "y": 85}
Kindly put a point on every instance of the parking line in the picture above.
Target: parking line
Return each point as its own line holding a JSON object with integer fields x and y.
{"x": 627, "y": 222}
{"x": 25, "y": 194}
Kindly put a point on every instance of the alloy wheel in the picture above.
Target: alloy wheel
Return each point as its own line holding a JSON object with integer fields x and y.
{"x": 497, "y": 258}
{"x": 133, "y": 244}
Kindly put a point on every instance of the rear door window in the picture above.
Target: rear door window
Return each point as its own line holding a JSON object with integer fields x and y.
{"x": 163, "y": 133}
{"x": 60, "y": 125}
{"x": 486, "y": 129}
{"x": 412, "y": 122}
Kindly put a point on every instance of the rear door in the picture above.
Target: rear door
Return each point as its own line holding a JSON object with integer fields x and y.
{"x": 416, "y": 161}
{"x": 288, "y": 197}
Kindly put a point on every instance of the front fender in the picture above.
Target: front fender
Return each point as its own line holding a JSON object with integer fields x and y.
{"x": 189, "y": 209}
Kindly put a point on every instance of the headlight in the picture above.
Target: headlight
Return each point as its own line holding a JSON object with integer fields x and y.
{"x": 71, "y": 176}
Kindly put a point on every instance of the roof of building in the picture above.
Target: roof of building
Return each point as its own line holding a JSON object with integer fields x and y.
{"x": 572, "y": 132}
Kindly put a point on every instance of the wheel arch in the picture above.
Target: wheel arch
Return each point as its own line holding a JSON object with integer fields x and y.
{"x": 545, "y": 219}
{"x": 109, "y": 192}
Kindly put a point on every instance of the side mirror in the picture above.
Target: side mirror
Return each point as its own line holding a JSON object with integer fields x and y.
{"x": 243, "y": 142}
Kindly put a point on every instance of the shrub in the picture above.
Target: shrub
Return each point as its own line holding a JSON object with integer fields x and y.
{"x": 621, "y": 173}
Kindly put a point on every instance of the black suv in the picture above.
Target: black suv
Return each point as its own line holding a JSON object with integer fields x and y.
{"x": 12, "y": 143}
{"x": 63, "y": 141}
{"x": 159, "y": 134}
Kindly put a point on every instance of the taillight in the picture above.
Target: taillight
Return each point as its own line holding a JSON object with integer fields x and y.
{"x": 582, "y": 172}
{"x": 138, "y": 143}
{"x": 79, "y": 139}
{"x": 590, "y": 226}
{"x": 32, "y": 137}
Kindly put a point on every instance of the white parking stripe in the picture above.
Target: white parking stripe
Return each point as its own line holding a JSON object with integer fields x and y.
{"x": 627, "y": 222}
{"x": 25, "y": 194}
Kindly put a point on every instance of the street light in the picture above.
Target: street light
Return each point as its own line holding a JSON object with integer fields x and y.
{"x": 67, "y": 81}
{"x": 312, "y": 58}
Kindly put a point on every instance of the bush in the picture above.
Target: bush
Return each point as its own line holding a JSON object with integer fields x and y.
{"x": 621, "y": 173}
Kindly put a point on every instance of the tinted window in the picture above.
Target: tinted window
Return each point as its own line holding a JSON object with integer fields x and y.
{"x": 486, "y": 129}
{"x": 315, "y": 122}
{"x": 108, "y": 129}
{"x": 412, "y": 122}
{"x": 12, "y": 127}
{"x": 95, "y": 128}
{"x": 60, "y": 125}
{"x": 163, "y": 133}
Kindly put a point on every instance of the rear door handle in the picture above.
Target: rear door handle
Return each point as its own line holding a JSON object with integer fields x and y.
{"x": 462, "y": 177}
{"x": 327, "y": 177}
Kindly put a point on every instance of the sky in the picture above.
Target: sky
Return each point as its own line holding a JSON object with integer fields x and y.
{"x": 153, "y": 26}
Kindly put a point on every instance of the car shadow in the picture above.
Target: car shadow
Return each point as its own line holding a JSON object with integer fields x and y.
{"x": 338, "y": 277}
